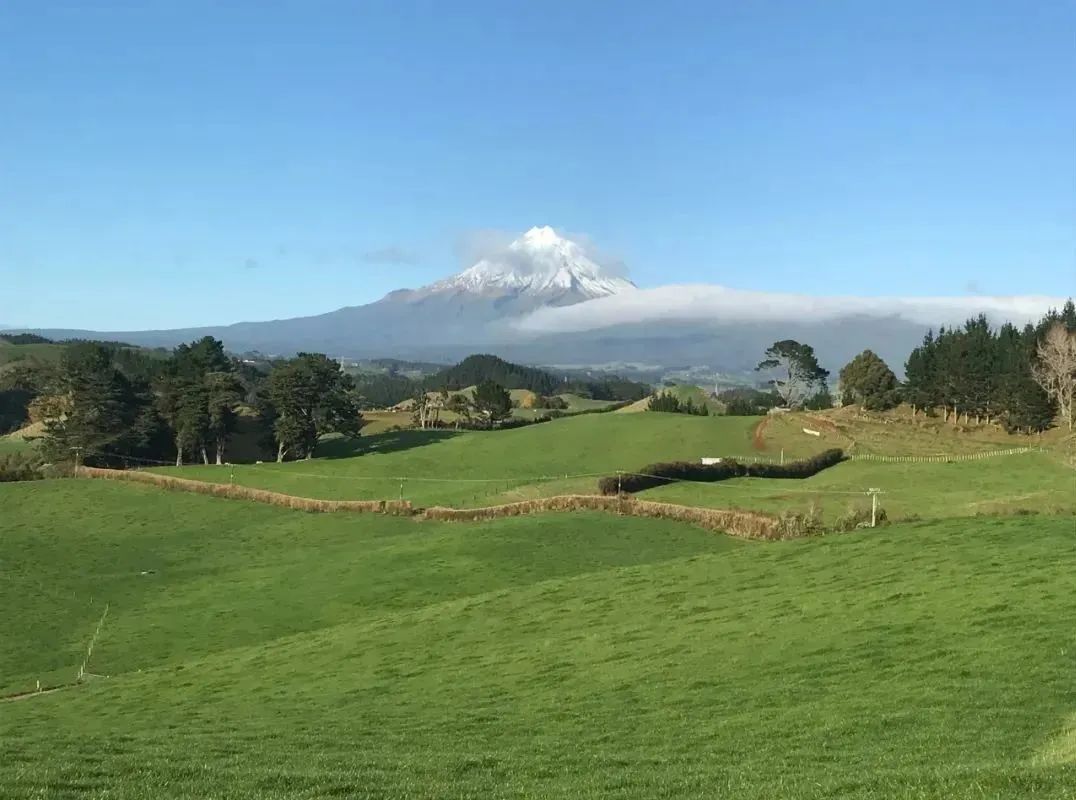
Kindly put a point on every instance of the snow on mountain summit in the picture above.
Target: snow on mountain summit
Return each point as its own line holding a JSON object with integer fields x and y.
{"x": 541, "y": 263}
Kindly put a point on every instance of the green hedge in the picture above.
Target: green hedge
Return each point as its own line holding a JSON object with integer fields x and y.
{"x": 662, "y": 473}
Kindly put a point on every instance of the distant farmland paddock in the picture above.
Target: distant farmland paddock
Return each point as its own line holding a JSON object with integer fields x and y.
{"x": 496, "y": 466}
{"x": 467, "y": 469}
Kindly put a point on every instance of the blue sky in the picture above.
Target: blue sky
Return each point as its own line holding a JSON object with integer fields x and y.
{"x": 166, "y": 164}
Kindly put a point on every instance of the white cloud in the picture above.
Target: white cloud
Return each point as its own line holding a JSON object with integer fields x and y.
{"x": 709, "y": 303}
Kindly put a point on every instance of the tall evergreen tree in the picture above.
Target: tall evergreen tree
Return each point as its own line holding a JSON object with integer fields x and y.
{"x": 1020, "y": 401}
{"x": 920, "y": 388}
{"x": 978, "y": 368}
{"x": 868, "y": 381}
{"x": 311, "y": 397}
{"x": 1067, "y": 316}
{"x": 492, "y": 402}
{"x": 99, "y": 413}
{"x": 224, "y": 392}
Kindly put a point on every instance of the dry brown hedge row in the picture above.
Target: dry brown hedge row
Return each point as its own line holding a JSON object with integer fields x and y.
{"x": 745, "y": 524}
{"x": 247, "y": 493}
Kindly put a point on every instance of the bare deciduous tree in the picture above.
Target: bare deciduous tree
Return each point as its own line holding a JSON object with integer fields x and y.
{"x": 1055, "y": 370}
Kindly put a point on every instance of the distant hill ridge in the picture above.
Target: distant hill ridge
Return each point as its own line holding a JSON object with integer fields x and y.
{"x": 484, "y": 367}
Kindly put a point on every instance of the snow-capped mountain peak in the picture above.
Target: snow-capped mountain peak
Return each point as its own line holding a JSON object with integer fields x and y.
{"x": 541, "y": 264}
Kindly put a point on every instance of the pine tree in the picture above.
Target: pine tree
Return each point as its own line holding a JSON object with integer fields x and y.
{"x": 978, "y": 368}
{"x": 665, "y": 402}
{"x": 868, "y": 381}
{"x": 1068, "y": 315}
{"x": 103, "y": 414}
{"x": 492, "y": 401}
{"x": 920, "y": 388}
{"x": 224, "y": 392}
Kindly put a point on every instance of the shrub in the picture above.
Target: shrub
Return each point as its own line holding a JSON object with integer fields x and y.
{"x": 743, "y": 402}
{"x": 662, "y": 473}
{"x": 26, "y": 466}
{"x": 795, "y": 524}
{"x": 859, "y": 517}
{"x": 553, "y": 403}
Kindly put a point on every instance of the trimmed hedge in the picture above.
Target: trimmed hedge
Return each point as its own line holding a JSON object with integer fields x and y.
{"x": 662, "y": 473}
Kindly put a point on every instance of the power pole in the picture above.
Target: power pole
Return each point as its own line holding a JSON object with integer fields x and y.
{"x": 874, "y": 505}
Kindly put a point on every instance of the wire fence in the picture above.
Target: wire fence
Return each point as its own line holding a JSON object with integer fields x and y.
{"x": 942, "y": 458}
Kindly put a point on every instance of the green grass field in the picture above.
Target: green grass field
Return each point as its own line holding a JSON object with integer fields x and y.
{"x": 273, "y": 654}
{"x": 13, "y": 444}
{"x": 500, "y": 465}
{"x": 12, "y": 354}
{"x": 578, "y": 403}
{"x": 1000, "y": 485}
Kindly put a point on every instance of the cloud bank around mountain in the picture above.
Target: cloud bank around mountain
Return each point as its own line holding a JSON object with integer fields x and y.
{"x": 718, "y": 304}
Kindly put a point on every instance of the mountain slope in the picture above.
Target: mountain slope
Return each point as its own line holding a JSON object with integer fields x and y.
{"x": 446, "y": 319}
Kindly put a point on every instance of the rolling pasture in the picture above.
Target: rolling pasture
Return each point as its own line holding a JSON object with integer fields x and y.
{"x": 1028, "y": 482}
{"x": 469, "y": 468}
{"x": 259, "y": 652}
{"x": 475, "y": 468}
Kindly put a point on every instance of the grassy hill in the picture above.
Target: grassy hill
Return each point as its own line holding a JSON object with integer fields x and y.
{"x": 696, "y": 394}
{"x": 11, "y": 354}
{"x": 13, "y": 444}
{"x": 682, "y": 392}
{"x": 892, "y": 432}
{"x": 502, "y": 465}
{"x": 257, "y": 652}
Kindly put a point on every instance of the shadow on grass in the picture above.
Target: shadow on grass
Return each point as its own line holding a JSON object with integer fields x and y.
{"x": 389, "y": 442}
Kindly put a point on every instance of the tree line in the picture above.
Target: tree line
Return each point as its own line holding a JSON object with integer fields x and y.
{"x": 1021, "y": 378}
{"x": 110, "y": 406}
{"x": 392, "y": 388}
